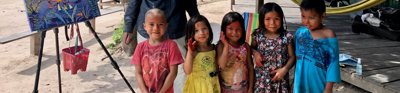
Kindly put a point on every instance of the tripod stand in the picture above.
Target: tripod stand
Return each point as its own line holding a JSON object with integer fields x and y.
{"x": 42, "y": 37}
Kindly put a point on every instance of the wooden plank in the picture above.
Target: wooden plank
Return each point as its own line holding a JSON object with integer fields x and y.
{"x": 16, "y": 36}
{"x": 395, "y": 86}
{"x": 365, "y": 43}
{"x": 354, "y": 37}
{"x": 362, "y": 83}
{"x": 369, "y": 51}
{"x": 383, "y": 75}
{"x": 369, "y": 65}
{"x": 378, "y": 56}
{"x": 343, "y": 33}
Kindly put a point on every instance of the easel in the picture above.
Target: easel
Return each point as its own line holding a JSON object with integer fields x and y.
{"x": 42, "y": 37}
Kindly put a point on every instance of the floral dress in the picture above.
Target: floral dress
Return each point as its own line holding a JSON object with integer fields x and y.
{"x": 275, "y": 55}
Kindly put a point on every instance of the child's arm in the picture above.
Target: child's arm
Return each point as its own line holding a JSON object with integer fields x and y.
{"x": 333, "y": 71}
{"x": 257, "y": 55}
{"x": 250, "y": 66}
{"x": 281, "y": 72}
{"x": 170, "y": 78}
{"x": 191, "y": 53}
{"x": 328, "y": 87}
{"x": 222, "y": 51}
{"x": 139, "y": 78}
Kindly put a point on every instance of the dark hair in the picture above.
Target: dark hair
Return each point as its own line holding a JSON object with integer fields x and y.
{"x": 191, "y": 29}
{"x": 270, "y": 7}
{"x": 314, "y": 5}
{"x": 233, "y": 17}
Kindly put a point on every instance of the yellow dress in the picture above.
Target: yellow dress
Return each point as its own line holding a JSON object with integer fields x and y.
{"x": 203, "y": 78}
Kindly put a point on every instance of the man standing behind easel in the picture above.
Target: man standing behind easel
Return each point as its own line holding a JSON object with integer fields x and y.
{"x": 175, "y": 11}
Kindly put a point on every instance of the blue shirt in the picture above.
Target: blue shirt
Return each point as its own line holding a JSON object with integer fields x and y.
{"x": 317, "y": 62}
{"x": 175, "y": 11}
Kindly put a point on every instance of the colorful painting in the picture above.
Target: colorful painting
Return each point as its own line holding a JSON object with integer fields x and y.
{"x": 47, "y": 14}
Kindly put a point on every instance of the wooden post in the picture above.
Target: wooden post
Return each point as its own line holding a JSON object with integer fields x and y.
{"x": 232, "y": 2}
{"x": 35, "y": 44}
{"x": 259, "y": 4}
{"x": 101, "y": 6}
{"x": 93, "y": 23}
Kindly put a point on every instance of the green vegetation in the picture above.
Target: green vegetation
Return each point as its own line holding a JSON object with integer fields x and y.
{"x": 117, "y": 36}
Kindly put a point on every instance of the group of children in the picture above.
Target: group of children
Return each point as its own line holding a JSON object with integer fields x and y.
{"x": 228, "y": 67}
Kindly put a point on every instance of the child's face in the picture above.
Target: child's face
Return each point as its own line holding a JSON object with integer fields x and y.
{"x": 272, "y": 21}
{"x": 155, "y": 26}
{"x": 311, "y": 19}
{"x": 234, "y": 31}
{"x": 202, "y": 32}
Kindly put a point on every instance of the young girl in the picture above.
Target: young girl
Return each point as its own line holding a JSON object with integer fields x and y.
{"x": 156, "y": 60}
{"x": 236, "y": 68}
{"x": 200, "y": 64}
{"x": 317, "y": 52}
{"x": 273, "y": 51}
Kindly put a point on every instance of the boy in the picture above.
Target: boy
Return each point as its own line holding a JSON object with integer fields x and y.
{"x": 317, "y": 66}
{"x": 156, "y": 60}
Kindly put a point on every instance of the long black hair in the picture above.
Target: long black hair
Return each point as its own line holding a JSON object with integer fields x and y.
{"x": 270, "y": 7}
{"x": 233, "y": 17}
{"x": 190, "y": 28}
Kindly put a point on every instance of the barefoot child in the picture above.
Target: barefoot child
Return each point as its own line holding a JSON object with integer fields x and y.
{"x": 317, "y": 66}
{"x": 156, "y": 60}
{"x": 273, "y": 51}
{"x": 200, "y": 64}
{"x": 236, "y": 68}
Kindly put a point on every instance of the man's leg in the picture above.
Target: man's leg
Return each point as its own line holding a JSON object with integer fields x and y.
{"x": 180, "y": 77}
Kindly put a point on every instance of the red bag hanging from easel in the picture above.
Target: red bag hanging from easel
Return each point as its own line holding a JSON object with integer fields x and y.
{"x": 76, "y": 57}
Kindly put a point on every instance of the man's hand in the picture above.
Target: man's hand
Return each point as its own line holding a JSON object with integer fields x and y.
{"x": 127, "y": 37}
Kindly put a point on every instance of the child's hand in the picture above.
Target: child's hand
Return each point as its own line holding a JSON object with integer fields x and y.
{"x": 191, "y": 46}
{"x": 279, "y": 74}
{"x": 223, "y": 39}
{"x": 258, "y": 58}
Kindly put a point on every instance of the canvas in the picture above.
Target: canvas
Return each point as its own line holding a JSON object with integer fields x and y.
{"x": 47, "y": 14}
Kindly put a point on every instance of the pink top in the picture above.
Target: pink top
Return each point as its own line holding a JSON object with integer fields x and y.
{"x": 234, "y": 76}
{"x": 155, "y": 61}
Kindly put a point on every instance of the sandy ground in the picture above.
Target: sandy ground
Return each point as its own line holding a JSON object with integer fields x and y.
{"x": 18, "y": 67}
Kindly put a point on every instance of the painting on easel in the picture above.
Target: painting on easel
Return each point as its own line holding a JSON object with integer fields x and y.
{"x": 47, "y": 14}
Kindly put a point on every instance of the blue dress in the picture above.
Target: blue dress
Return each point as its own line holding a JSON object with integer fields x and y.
{"x": 317, "y": 62}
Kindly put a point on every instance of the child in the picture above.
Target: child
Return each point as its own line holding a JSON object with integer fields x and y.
{"x": 273, "y": 51}
{"x": 200, "y": 64}
{"x": 156, "y": 60}
{"x": 236, "y": 68}
{"x": 317, "y": 67}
